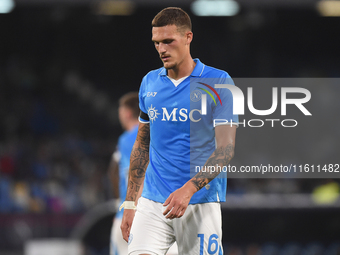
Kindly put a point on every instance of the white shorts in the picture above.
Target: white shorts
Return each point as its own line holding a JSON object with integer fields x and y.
{"x": 118, "y": 246}
{"x": 197, "y": 232}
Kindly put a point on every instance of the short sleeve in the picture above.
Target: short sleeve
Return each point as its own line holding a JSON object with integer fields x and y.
{"x": 143, "y": 117}
{"x": 224, "y": 110}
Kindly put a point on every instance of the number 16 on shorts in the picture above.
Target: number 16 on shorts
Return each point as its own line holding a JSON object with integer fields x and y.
{"x": 213, "y": 244}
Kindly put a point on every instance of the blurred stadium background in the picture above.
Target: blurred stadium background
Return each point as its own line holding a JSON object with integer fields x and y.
{"x": 65, "y": 63}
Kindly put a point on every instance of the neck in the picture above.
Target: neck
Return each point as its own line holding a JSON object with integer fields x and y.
{"x": 131, "y": 124}
{"x": 183, "y": 69}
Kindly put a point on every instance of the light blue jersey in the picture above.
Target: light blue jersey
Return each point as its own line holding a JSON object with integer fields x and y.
{"x": 181, "y": 135}
{"x": 124, "y": 148}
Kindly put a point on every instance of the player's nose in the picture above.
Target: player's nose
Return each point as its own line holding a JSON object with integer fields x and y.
{"x": 161, "y": 48}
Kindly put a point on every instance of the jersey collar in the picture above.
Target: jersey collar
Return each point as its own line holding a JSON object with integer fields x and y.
{"x": 197, "y": 72}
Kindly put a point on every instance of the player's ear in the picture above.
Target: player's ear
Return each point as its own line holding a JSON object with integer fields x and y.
{"x": 189, "y": 37}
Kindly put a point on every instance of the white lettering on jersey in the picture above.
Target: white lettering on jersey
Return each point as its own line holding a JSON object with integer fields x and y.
{"x": 151, "y": 94}
{"x": 173, "y": 114}
{"x": 183, "y": 114}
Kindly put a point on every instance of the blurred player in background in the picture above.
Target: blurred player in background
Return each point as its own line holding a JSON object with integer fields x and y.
{"x": 119, "y": 165}
{"x": 175, "y": 206}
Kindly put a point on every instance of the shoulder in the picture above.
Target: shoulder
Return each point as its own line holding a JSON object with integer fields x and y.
{"x": 122, "y": 138}
{"x": 213, "y": 72}
{"x": 216, "y": 76}
{"x": 154, "y": 73}
{"x": 152, "y": 77}
{"x": 133, "y": 133}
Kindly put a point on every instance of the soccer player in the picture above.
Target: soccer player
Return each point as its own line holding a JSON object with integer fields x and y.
{"x": 119, "y": 166}
{"x": 178, "y": 105}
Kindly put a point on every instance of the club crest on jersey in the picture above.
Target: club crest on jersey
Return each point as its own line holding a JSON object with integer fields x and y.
{"x": 153, "y": 112}
{"x": 196, "y": 95}
{"x": 151, "y": 94}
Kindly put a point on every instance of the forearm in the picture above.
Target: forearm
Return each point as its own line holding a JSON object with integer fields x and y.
{"x": 139, "y": 161}
{"x": 139, "y": 194}
{"x": 220, "y": 157}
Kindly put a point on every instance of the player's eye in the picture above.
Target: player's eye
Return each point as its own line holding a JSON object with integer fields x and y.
{"x": 168, "y": 41}
{"x": 156, "y": 43}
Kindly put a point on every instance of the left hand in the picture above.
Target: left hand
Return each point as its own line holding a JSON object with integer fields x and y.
{"x": 178, "y": 201}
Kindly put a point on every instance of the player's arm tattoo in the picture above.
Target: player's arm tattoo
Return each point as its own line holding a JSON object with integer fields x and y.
{"x": 220, "y": 157}
{"x": 139, "y": 161}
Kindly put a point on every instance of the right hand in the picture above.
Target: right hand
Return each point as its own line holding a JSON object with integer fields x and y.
{"x": 128, "y": 216}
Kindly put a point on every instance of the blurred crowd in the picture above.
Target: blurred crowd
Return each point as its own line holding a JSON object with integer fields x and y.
{"x": 48, "y": 160}
{"x": 61, "y": 174}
